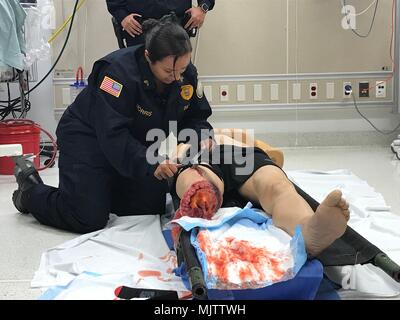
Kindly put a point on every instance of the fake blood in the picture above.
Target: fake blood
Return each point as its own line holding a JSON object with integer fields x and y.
{"x": 152, "y": 273}
{"x": 149, "y": 273}
{"x": 254, "y": 261}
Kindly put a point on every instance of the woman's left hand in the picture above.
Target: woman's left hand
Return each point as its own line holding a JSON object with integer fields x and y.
{"x": 166, "y": 170}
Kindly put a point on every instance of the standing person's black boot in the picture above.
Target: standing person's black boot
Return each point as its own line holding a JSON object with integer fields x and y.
{"x": 27, "y": 177}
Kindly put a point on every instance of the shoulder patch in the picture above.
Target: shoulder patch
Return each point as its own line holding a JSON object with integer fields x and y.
{"x": 111, "y": 86}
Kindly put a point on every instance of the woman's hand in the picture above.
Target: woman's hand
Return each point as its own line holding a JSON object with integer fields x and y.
{"x": 166, "y": 170}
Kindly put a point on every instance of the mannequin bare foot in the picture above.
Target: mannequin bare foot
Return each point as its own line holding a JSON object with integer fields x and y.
{"x": 327, "y": 224}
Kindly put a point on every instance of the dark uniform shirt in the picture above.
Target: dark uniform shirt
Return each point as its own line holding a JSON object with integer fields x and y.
{"x": 109, "y": 120}
{"x": 151, "y": 8}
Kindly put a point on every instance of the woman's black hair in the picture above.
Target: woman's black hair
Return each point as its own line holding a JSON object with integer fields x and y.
{"x": 165, "y": 37}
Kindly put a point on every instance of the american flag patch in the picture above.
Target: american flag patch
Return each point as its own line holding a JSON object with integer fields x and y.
{"x": 111, "y": 86}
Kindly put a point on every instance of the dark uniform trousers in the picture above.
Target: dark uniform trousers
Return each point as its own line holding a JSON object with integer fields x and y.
{"x": 87, "y": 194}
{"x": 154, "y": 9}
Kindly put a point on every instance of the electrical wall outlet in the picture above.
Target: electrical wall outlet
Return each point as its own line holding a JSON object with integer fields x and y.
{"x": 208, "y": 93}
{"x": 257, "y": 92}
{"x": 347, "y": 89}
{"x": 66, "y": 96}
{"x": 274, "y": 92}
{"x": 330, "y": 90}
{"x": 241, "y": 92}
{"x": 380, "y": 90}
{"x": 224, "y": 93}
{"x": 363, "y": 89}
{"x": 296, "y": 91}
{"x": 313, "y": 91}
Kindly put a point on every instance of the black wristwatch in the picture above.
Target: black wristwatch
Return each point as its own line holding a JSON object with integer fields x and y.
{"x": 204, "y": 6}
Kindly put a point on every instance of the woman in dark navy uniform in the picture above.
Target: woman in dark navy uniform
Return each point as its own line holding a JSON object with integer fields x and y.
{"x": 104, "y": 163}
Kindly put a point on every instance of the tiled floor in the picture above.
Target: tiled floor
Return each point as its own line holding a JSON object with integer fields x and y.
{"x": 23, "y": 239}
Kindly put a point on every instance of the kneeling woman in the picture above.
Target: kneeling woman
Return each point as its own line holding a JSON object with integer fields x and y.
{"x": 104, "y": 164}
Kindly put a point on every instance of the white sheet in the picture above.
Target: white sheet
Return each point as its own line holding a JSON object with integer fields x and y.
{"x": 120, "y": 252}
{"x": 369, "y": 216}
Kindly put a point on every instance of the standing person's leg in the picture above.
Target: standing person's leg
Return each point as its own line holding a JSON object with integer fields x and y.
{"x": 133, "y": 41}
{"x": 270, "y": 187}
{"x": 80, "y": 204}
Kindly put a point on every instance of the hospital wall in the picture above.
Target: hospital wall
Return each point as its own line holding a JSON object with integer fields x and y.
{"x": 258, "y": 61}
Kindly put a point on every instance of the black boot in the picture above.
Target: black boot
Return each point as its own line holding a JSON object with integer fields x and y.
{"x": 27, "y": 177}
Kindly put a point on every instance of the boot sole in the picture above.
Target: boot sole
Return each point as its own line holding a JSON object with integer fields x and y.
{"x": 16, "y": 198}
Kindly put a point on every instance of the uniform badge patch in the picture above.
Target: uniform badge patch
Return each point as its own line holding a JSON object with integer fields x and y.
{"x": 187, "y": 92}
{"x": 111, "y": 86}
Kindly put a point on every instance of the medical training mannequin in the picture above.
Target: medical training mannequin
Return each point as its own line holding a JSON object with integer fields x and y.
{"x": 201, "y": 189}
